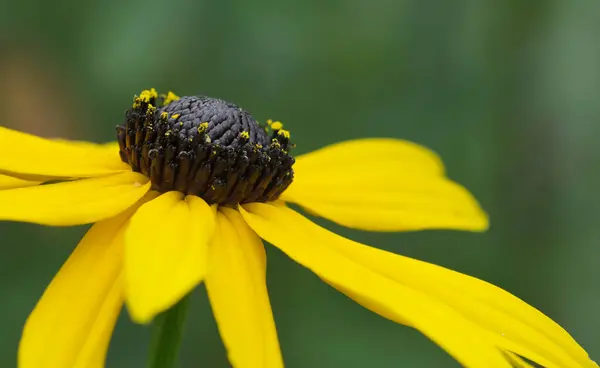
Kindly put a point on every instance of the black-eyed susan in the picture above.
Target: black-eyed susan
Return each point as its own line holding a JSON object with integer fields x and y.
{"x": 185, "y": 197}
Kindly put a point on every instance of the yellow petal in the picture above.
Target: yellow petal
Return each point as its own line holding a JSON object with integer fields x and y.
{"x": 382, "y": 185}
{"x": 73, "y": 321}
{"x": 510, "y": 323}
{"x": 307, "y": 244}
{"x": 513, "y": 324}
{"x": 517, "y": 361}
{"x": 369, "y": 153}
{"x": 23, "y": 153}
{"x": 8, "y": 182}
{"x": 238, "y": 294}
{"x": 166, "y": 252}
{"x": 74, "y": 203}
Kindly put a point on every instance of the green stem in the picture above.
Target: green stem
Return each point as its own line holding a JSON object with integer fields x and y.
{"x": 166, "y": 335}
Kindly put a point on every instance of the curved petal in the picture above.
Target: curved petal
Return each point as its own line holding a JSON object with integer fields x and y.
{"x": 75, "y": 202}
{"x": 166, "y": 252}
{"x": 369, "y": 153}
{"x": 382, "y": 185}
{"x": 72, "y": 323}
{"x": 301, "y": 240}
{"x": 513, "y": 324}
{"x": 238, "y": 295}
{"x": 508, "y": 322}
{"x": 517, "y": 361}
{"x": 8, "y": 182}
{"x": 24, "y": 153}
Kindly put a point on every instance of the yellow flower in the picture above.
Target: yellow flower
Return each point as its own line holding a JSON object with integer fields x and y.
{"x": 177, "y": 202}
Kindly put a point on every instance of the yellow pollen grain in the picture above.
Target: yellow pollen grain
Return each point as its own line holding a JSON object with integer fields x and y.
{"x": 170, "y": 98}
{"x": 245, "y": 135}
{"x": 164, "y": 115}
{"x": 151, "y": 109}
{"x": 284, "y": 133}
{"x": 269, "y": 122}
{"x": 175, "y": 116}
{"x": 276, "y": 125}
{"x": 202, "y": 128}
{"x": 168, "y": 133}
{"x": 147, "y": 95}
{"x": 275, "y": 143}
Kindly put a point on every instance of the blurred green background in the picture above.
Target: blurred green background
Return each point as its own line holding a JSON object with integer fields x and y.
{"x": 506, "y": 91}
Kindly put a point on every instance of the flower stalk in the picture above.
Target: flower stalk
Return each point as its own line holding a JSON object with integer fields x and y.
{"x": 167, "y": 334}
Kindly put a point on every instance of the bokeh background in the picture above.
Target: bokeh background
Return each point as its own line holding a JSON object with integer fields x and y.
{"x": 506, "y": 91}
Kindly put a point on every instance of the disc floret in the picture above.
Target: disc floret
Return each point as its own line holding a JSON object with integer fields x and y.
{"x": 206, "y": 147}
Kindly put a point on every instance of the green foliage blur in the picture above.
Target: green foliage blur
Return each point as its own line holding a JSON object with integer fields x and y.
{"x": 506, "y": 91}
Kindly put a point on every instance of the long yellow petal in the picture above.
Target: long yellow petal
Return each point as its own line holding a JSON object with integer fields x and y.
{"x": 509, "y": 323}
{"x": 72, "y": 323}
{"x": 367, "y": 153}
{"x": 382, "y": 185}
{"x": 24, "y": 153}
{"x": 166, "y": 252}
{"x": 73, "y": 203}
{"x": 9, "y": 182}
{"x": 238, "y": 294}
{"x": 517, "y": 361}
{"x": 513, "y": 324}
{"x": 308, "y": 245}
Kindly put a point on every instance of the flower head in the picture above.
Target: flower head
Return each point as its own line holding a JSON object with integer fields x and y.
{"x": 206, "y": 147}
{"x": 185, "y": 197}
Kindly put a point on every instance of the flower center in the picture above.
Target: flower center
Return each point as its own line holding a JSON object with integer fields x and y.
{"x": 205, "y": 147}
